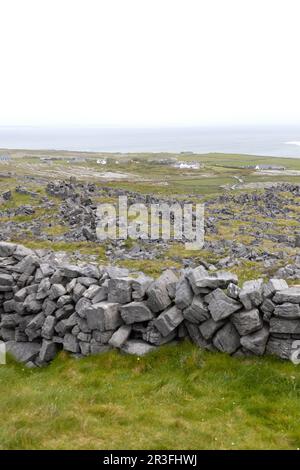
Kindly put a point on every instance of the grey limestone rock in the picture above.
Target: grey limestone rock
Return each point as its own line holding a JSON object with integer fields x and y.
{"x": 168, "y": 320}
{"x": 220, "y": 305}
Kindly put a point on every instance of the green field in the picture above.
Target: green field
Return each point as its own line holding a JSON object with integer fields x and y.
{"x": 176, "y": 398}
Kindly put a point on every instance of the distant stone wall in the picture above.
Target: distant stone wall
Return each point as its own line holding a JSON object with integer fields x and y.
{"x": 47, "y": 305}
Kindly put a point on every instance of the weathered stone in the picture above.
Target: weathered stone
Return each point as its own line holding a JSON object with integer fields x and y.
{"x": 287, "y": 310}
{"x": 97, "y": 348}
{"x": 220, "y": 305}
{"x": 66, "y": 324}
{"x": 23, "y": 352}
{"x": 71, "y": 343}
{"x": 84, "y": 336}
{"x": 31, "y": 304}
{"x": 247, "y": 321}
{"x": 137, "y": 347}
{"x": 63, "y": 300}
{"x": 171, "y": 280}
{"x": 10, "y": 320}
{"x": 290, "y": 295}
{"x": 7, "y": 249}
{"x": 161, "y": 292}
{"x": 49, "y": 307}
{"x": 184, "y": 294}
{"x": 86, "y": 281}
{"x": 280, "y": 325}
{"x": 70, "y": 270}
{"x": 168, "y": 320}
{"x": 48, "y": 327}
{"x": 140, "y": 286}
{"x": 280, "y": 347}
{"x": 78, "y": 292}
{"x": 209, "y": 328}
{"x": 256, "y": 342}
{"x": 233, "y": 291}
{"x": 119, "y": 290}
{"x": 102, "y": 336}
{"x": 273, "y": 286}
{"x": 267, "y": 306}
{"x": 104, "y": 316}
{"x": 7, "y": 334}
{"x": 197, "y": 312}
{"x": 85, "y": 348}
{"x": 201, "y": 278}
{"x": 196, "y": 336}
{"x": 37, "y": 321}
{"x": 83, "y": 306}
{"x": 6, "y": 279}
{"x": 20, "y": 295}
{"x": 153, "y": 336}
{"x": 64, "y": 312}
{"x": 135, "y": 312}
{"x": 48, "y": 351}
{"x": 251, "y": 293}
{"x": 56, "y": 291}
{"x": 120, "y": 336}
{"x": 27, "y": 265}
{"x": 227, "y": 339}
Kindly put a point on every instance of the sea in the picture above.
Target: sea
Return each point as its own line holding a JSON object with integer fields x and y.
{"x": 276, "y": 141}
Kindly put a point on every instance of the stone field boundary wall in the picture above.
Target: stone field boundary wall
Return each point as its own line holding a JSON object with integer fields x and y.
{"x": 47, "y": 305}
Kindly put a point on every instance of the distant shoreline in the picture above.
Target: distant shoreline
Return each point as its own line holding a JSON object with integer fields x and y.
{"x": 269, "y": 142}
{"x": 24, "y": 152}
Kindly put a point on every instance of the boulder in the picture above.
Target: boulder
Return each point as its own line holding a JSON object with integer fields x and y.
{"x": 23, "y": 352}
{"x": 273, "y": 286}
{"x": 209, "y": 328}
{"x": 280, "y": 347}
{"x": 168, "y": 320}
{"x": 290, "y": 295}
{"x": 7, "y": 249}
{"x": 135, "y": 312}
{"x": 104, "y": 316}
{"x": 197, "y": 312}
{"x": 71, "y": 343}
{"x": 256, "y": 342}
{"x": 287, "y": 310}
{"x": 251, "y": 294}
{"x": 227, "y": 339}
{"x": 247, "y": 321}
{"x": 220, "y": 305}
{"x": 48, "y": 351}
{"x": 158, "y": 296}
{"x": 153, "y": 336}
{"x": 137, "y": 347}
{"x": 119, "y": 290}
{"x": 184, "y": 294}
{"x": 280, "y": 325}
{"x": 120, "y": 336}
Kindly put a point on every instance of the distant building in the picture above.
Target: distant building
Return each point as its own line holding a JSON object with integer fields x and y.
{"x": 5, "y": 157}
{"x": 269, "y": 167}
{"x": 188, "y": 165}
{"x": 101, "y": 161}
{"x": 265, "y": 167}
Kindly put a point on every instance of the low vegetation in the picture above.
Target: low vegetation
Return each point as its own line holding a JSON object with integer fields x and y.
{"x": 175, "y": 398}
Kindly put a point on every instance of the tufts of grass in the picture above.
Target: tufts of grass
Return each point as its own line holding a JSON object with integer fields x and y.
{"x": 177, "y": 397}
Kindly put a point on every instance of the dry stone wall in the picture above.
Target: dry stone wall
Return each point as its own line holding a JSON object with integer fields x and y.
{"x": 47, "y": 305}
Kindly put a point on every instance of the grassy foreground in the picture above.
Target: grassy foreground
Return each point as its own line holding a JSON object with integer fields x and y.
{"x": 178, "y": 397}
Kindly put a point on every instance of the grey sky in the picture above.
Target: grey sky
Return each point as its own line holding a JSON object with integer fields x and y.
{"x": 149, "y": 62}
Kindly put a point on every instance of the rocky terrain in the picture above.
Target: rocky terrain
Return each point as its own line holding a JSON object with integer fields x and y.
{"x": 47, "y": 305}
{"x": 260, "y": 226}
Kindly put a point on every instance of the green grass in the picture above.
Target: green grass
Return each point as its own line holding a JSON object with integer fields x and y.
{"x": 177, "y": 397}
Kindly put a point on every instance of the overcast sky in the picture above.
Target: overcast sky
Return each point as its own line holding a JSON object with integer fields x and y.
{"x": 149, "y": 62}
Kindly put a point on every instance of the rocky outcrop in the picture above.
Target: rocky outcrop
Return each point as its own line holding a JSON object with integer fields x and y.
{"x": 47, "y": 305}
